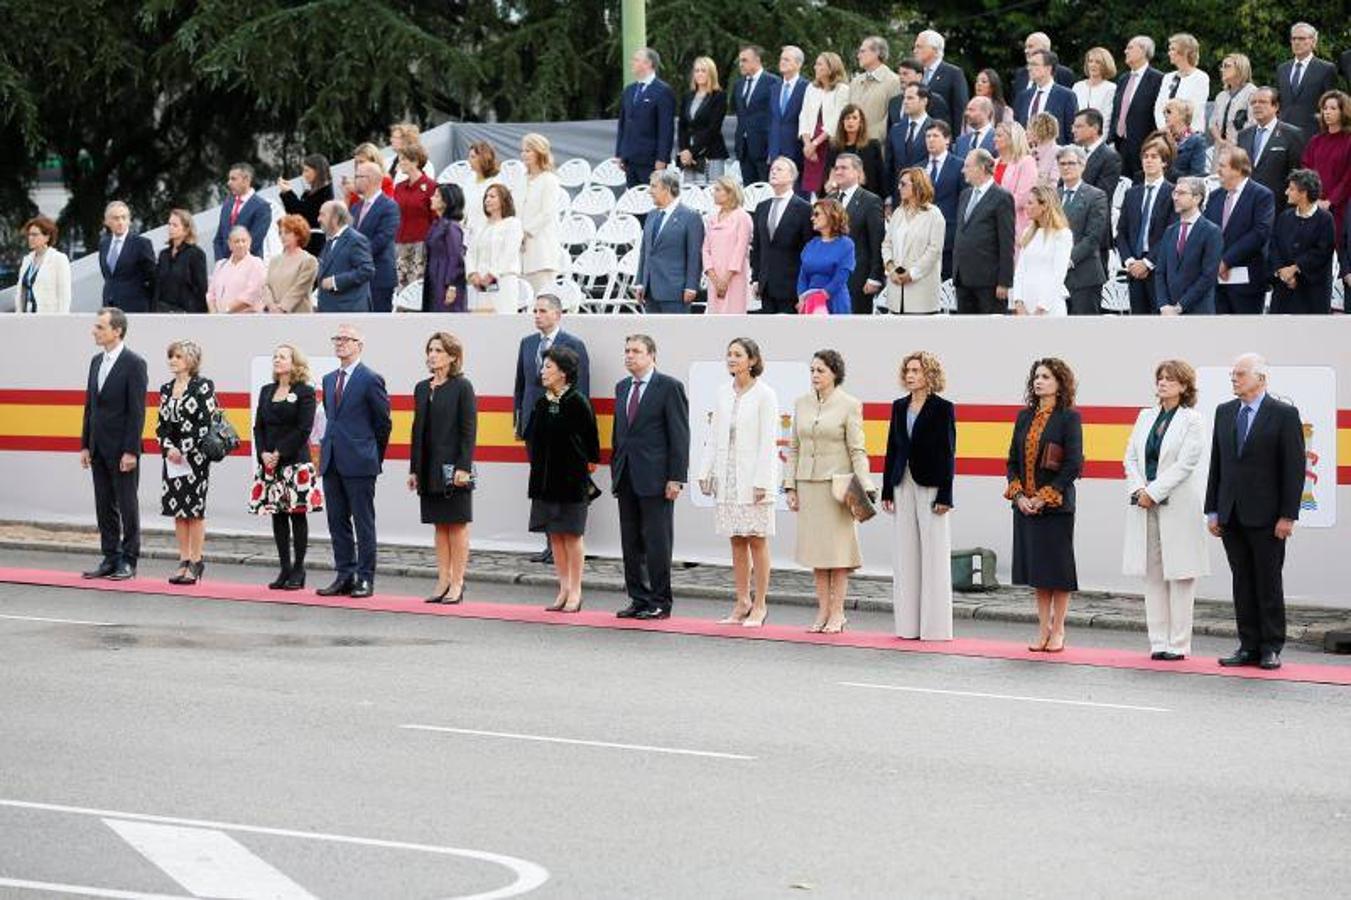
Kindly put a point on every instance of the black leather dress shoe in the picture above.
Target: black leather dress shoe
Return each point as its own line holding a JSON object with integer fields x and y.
{"x": 656, "y": 612}
{"x": 122, "y": 572}
{"x": 362, "y": 588}
{"x": 1157, "y": 655}
{"x": 630, "y": 612}
{"x": 103, "y": 570}
{"x": 1170, "y": 656}
{"x": 1239, "y": 658}
{"x": 340, "y": 587}
{"x": 295, "y": 579}
{"x": 1270, "y": 660}
{"x": 545, "y": 556}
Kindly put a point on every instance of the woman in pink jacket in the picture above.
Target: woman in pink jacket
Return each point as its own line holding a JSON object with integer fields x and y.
{"x": 727, "y": 238}
{"x": 1016, "y": 171}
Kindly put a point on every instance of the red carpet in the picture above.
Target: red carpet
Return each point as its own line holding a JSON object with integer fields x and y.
{"x": 511, "y": 612}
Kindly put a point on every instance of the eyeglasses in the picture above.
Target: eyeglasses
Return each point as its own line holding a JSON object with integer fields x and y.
{"x": 343, "y": 339}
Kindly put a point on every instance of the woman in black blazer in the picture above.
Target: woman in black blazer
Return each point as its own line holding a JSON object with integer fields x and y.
{"x": 917, "y": 489}
{"x": 564, "y": 448}
{"x": 703, "y": 152}
{"x": 851, "y": 136}
{"x": 1303, "y": 246}
{"x": 1046, "y": 457}
{"x": 441, "y": 460}
{"x": 180, "y": 271}
{"x": 315, "y": 173}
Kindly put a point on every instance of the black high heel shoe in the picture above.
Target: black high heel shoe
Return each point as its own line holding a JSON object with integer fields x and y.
{"x": 279, "y": 583}
{"x": 184, "y": 573}
{"x": 438, "y": 598}
{"x": 295, "y": 579}
{"x": 458, "y": 599}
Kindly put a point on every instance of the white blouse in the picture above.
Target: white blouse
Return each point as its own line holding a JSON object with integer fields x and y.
{"x": 1194, "y": 87}
{"x": 539, "y": 220}
{"x": 1100, "y": 98}
{"x": 1039, "y": 276}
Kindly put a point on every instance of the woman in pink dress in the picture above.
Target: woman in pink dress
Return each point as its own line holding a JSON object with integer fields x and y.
{"x": 1329, "y": 154}
{"x": 727, "y": 237}
{"x": 1016, "y": 171}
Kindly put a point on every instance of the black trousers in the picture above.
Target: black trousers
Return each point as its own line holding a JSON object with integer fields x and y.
{"x": 1142, "y": 296}
{"x": 1085, "y": 301}
{"x": 754, "y": 170}
{"x": 351, "y": 502}
{"x": 980, "y": 301}
{"x": 646, "y": 535}
{"x": 1256, "y": 557}
{"x": 1235, "y": 301}
{"x": 777, "y": 305}
{"x": 117, "y": 509}
{"x": 638, "y": 173}
{"x": 382, "y": 299}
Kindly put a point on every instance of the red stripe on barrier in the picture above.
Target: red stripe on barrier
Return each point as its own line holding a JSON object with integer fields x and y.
{"x": 1344, "y": 418}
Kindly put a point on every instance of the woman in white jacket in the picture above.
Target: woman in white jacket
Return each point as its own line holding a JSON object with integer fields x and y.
{"x": 912, "y": 250}
{"x": 821, "y": 104}
{"x": 44, "y": 274}
{"x": 1039, "y": 275}
{"x": 740, "y": 467}
{"x": 539, "y": 213}
{"x": 1165, "y": 540}
{"x": 494, "y": 259}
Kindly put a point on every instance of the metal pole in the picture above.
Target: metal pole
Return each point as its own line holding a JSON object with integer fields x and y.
{"x": 633, "y": 18}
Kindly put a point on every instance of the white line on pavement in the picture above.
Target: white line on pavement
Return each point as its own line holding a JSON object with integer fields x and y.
{"x": 59, "y": 621}
{"x": 558, "y": 740}
{"x": 207, "y": 863}
{"x": 79, "y": 890}
{"x": 918, "y": 690}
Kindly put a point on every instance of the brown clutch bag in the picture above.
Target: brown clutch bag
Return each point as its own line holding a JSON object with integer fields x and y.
{"x": 1052, "y": 456}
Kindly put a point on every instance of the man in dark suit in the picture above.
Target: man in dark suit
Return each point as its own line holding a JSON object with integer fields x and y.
{"x": 946, "y": 82}
{"x": 548, "y": 334}
{"x": 754, "y": 94}
{"x": 670, "y": 258}
{"x": 1275, "y": 147}
{"x": 1133, "y": 104}
{"x": 867, "y": 226}
{"x": 982, "y": 245}
{"x": 351, "y": 456}
{"x": 945, "y": 174}
{"x": 649, "y": 464}
{"x": 127, "y": 261}
{"x": 1188, "y": 256}
{"x": 110, "y": 443}
{"x": 376, "y": 217}
{"x": 787, "y": 106}
{"x": 1102, "y": 168}
{"x": 646, "y": 120}
{"x": 1245, "y": 213}
{"x": 1304, "y": 79}
{"x": 782, "y": 227}
{"x": 979, "y": 118}
{"x": 1146, "y": 213}
{"x": 910, "y": 71}
{"x": 243, "y": 207}
{"x": 905, "y": 140}
{"x": 1089, "y": 215}
{"x": 1035, "y": 43}
{"x": 345, "y": 265}
{"x": 1256, "y": 479}
{"x": 1043, "y": 95}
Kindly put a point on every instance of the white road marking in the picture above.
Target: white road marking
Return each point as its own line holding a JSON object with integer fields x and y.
{"x": 529, "y": 875}
{"x": 79, "y": 890}
{"x": 207, "y": 862}
{"x": 558, "y": 740}
{"x": 59, "y": 621}
{"x": 918, "y": 690}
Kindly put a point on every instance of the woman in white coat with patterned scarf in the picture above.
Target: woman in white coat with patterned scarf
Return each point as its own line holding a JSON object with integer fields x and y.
{"x": 1165, "y": 540}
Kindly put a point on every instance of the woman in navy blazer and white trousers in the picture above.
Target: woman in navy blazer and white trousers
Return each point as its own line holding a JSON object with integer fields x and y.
{"x": 917, "y": 489}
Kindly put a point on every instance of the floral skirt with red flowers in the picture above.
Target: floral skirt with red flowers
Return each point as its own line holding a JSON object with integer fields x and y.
{"x": 290, "y": 489}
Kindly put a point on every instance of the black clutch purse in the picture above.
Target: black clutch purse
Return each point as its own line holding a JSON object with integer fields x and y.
{"x": 592, "y": 492}
{"x": 448, "y": 476}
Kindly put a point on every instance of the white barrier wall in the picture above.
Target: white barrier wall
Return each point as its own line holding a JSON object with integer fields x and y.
{"x": 44, "y": 362}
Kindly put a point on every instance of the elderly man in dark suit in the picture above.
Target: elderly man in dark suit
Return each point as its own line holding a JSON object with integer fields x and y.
{"x": 670, "y": 260}
{"x": 1245, "y": 212}
{"x": 647, "y": 110}
{"x": 127, "y": 262}
{"x": 1133, "y": 104}
{"x": 944, "y": 169}
{"x": 782, "y": 227}
{"x": 1275, "y": 147}
{"x": 110, "y": 443}
{"x": 649, "y": 465}
{"x": 345, "y": 265}
{"x": 242, "y": 208}
{"x": 1188, "y": 256}
{"x": 1089, "y": 215}
{"x": 1303, "y": 79}
{"x": 1146, "y": 213}
{"x": 376, "y": 217}
{"x": 945, "y": 81}
{"x": 1256, "y": 480}
{"x": 982, "y": 251}
{"x": 352, "y": 455}
{"x": 867, "y": 227}
{"x": 787, "y": 106}
{"x": 753, "y": 94}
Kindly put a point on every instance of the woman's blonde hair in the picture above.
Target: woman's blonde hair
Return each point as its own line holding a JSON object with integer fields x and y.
{"x": 1055, "y": 213}
{"x": 930, "y": 366}
{"x": 1018, "y": 147}
{"x": 300, "y": 365}
{"x": 1103, "y": 57}
{"x": 1242, "y": 66}
{"x": 189, "y": 226}
{"x": 539, "y": 145}
{"x": 728, "y": 184}
{"x": 191, "y": 353}
{"x": 1188, "y": 45}
{"x": 368, "y": 152}
{"x": 1043, "y": 127}
{"x": 711, "y": 68}
{"x": 835, "y": 70}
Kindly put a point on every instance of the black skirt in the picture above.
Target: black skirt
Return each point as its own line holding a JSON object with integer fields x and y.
{"x": 558, "y": 516}
{"x": 1043, "y": 551}
{"x": 455, "y": 508}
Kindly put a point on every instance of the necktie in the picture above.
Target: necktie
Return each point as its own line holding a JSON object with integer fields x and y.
{"x": 933, "y": 171}
{"x": 1296, "y": 76}
{"x": 642, "y": 86}
{"x": 910, "y": 136}
{"x": 366, "y": 205}
{"x": 114, "y": 251}
{"x": 783, "y": 97}
{"x": 1036, "y": 105}
{"x": 1177, "y": 83}
{"x": 971, "y": 204}
{"x": 661, "y": 220}
{"x": 1126, "y": 99}
{"x": 234, "y": 211}
{"x": 1145, "y": 213}
{"x": 544, "y": 345}
{"x": 775, "y": 213}
{"x": 1244, "y": 423}
{"x": 928, "y": 76}
{"x": 631, "y": 410}
{"x": 337, "y": 389}
{"x": 1182, "y": 237}
{"x": 750, "y": 85}
{"x": 1069, "y": 198}
{"x": 1259, "y": 143}
{"x": 1228, "y": 208}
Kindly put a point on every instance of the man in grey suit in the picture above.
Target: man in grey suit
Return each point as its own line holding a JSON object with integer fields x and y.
{"x": 1275, "y": 147}
{"x": 1087, "y": 209}
{"x": 982, "y": 245}
{"x": 345, "y": 266}
{"x": 670, "y": 261}
{"x": 1304, "y": 79}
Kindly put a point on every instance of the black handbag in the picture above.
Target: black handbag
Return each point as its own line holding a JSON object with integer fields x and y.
{"x": 448, "y": 476}
{"x": 221, "y": 439}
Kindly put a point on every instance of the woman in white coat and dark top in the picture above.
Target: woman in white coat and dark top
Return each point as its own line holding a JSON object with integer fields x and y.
{"x": 917, "y": 489}
{"x": 44, "y": 273}
{"x": 740, "y": 467}
{"x": 1165, "y": 541}
{"x": 912, "y": 249}
{"x": 1039, "y": 274}
{"x": 539, "y": 213}
{"x": 494, "y": 258}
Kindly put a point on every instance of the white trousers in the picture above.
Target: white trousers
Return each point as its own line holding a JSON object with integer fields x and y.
{"x": 921, "y": 585}
{"x": 1168, "y": 604}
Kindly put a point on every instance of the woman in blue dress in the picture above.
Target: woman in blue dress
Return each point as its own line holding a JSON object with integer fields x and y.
{"x": 827, "y": 260}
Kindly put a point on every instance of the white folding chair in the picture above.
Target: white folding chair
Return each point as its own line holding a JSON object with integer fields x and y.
{"x": 527, "y": 295}
{"x": 620, "y": 291}
{"x": 594, "y": 271}
{"x": 696, "y": 198}
{"x": 574, "y": 174}
{"x": 596, "y": 200}
{"x": 576, "y": 232}
{"x": 1116, "y": 294}
{"x": 567, "y": 290}
{"x": 620, "y": 230}
{"x": 608, "y": 173}
{"x": 947, "y": 297}
{"x": 410, "y": 298}
{"x": 513, "y": 175}
{"x": 754, "y": 194}
{"x": 636, "y": 201}
{"x": 458, "y": 172}
{"x": 563, "y": 205}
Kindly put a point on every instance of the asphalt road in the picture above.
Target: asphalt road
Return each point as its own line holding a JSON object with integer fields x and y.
{"x": 272, "y": 740}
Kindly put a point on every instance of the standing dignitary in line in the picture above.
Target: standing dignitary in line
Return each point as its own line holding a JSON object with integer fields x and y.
{"x": 1133, "y": 107}
{"x": 317, "y": 182}
{"x": 127, "y": 261}
{"x": 1275, "y": 147}
{"x": 753, "y": 95}
{"x": 243, "y": 208}
{"x": 548, "y": 333}
{"x": 670, "y": 258}
{"x": 1186, "y": 82}
{"x": 1252, "y": 501}
{"x": 187, "y": 404}
{"x": 944, "y": 170}
{"x": 873, "y": 87}
{"x": 376, "y": 217}
{"x": 345, "y": 266}
{"x": 1303, "y": 246}
{"x": 649, "y": 465}
{"x": 110, "y": 443}
{"x": 1245, "y": 212}
{"x": 783, "y": 227}
{"x": 1089, "y": 213}
{"x": 867, "y": 226}
{"x": 1303, "y": 79}
{"x": 180, "y": 272}
{"x": 1033, "y": 44}
{"x": 787, "y": 108}
{"x": 942, "y": 78}
{"x": 1188, "y": 256}
{"x": 44, "y": 273}
{"x": 701, "y": 150}
{"x": 351, "y": 455}
{"x": 917, "y": 488}
{"x": 905, "y": 145}
{"x": 982, "y": 243}
{"x": 1146, "y": 213}
{"x": 646, "y": 120}
{"x": 1165, "y": 542}
{"x": 1042, "y": 94}
{"x": 912, "y": 251}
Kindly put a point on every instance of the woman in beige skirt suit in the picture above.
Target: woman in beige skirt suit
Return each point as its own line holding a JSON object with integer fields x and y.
{"x": 827, "y": 441}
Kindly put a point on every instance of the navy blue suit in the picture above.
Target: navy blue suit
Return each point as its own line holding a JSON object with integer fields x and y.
{"x": 753, "y": 120}
{"x": 783, "y": 132}
{"x": 348, "y": 259}
{"x": 528, "y": 389}
{"x": 902, "y": 154}
{"x": 379, "y": 226}
{"x": 351, "y": 454}
{"x": 965, "y": 143}
{"x": 255, "y": 215}
{"x": 1059, "y": 101}
{"x": 948, "y": 93}
{"x": 1245, "y": 244}
{"x": 1188, "y": 282}
{"x": 1133, "y": 243}
{"x": 947, "y": 190}
{"x": 646, "y": 129}
{"x": 130, "y": 285}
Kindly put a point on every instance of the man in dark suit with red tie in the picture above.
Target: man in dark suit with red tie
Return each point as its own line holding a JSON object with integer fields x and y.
{"x": 1245, "y": 212}
{"x": 243, "y": 207}
{"x": 646, "y": 120}
{"x": 1133, "y": 104}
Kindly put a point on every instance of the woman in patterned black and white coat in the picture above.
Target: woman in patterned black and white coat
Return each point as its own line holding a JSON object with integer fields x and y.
{"x": 186, "y": 405}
